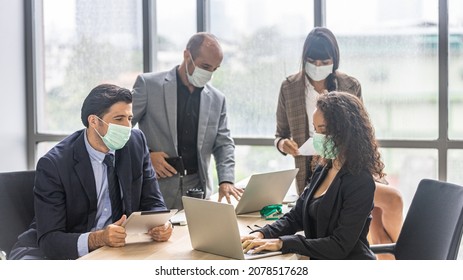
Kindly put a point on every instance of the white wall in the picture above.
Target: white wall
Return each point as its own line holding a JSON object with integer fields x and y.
{"x": 13, "y": 155}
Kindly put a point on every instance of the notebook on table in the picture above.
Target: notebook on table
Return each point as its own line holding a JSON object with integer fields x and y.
{"x": 213, "y": 229}
{"x": 265, "y": 189}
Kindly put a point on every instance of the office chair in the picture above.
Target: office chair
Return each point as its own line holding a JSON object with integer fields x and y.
{"x": 16, "y": 207}
{"x": 433, "y": 226}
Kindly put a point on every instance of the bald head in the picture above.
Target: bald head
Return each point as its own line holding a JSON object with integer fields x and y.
{"x": 203, "y": 51}
{"x": 204, "y": 42}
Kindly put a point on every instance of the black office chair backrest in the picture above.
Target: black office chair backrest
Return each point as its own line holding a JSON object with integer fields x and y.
{"x": 16, "y": 206}
{"x": 433, "y": 226}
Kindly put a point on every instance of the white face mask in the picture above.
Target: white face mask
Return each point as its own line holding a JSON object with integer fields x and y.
{"x": 200, "y": 77}
{"x": 318, "y": 73}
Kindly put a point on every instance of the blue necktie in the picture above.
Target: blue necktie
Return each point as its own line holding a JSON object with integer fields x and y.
{"x": 113, "y": 187}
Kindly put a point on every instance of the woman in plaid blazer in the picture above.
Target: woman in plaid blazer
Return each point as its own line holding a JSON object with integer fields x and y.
{"x": 296, "y": 102}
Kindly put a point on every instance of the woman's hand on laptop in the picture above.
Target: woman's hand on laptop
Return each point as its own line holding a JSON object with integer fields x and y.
{"x": 258, "y": 245}
{"x": 227, "y": 190}
{"x": 254, "y": 235}
{"x": 161, "y": 233}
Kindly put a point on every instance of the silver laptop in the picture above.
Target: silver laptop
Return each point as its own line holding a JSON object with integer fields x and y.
{"x": 265, "y": 189}
{"x": 213, "y": 228}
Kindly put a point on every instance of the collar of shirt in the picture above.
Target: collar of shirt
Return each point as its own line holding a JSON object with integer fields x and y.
{"x": 181, "y": 85}
{"x": 311, "y": 97}
{"x": 310, "y": 89}
{"x": 308, "y": 85}
{"x": 94, "y": 154}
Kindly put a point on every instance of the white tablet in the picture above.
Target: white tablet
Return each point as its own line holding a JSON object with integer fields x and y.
{"x": 138, "y": 224}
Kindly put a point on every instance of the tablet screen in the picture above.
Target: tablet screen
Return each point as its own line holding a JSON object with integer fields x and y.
{"x": 143, "y": 221}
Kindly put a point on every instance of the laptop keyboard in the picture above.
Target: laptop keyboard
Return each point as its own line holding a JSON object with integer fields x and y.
{"x": 251, "y": 252}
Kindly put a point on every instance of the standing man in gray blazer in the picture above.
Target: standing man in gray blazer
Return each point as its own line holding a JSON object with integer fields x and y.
{"x": 184, "y": 116}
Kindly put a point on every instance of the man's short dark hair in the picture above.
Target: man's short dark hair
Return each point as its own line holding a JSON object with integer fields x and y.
{"x": 101, "y": 98}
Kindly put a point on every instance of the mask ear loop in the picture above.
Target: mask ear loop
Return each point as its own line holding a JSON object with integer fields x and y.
{"x": 96, "y": 129}
{"x": 191, "y": 57}
{"x": 101, "y": 120}
{"x": 186, "y": 65}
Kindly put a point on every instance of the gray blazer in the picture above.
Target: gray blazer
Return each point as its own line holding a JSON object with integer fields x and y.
{"x": 155, "y": 111}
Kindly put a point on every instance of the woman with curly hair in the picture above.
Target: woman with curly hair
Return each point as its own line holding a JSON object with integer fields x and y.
{"x": 319, "y": 74}
{"x": 335, "y": 210}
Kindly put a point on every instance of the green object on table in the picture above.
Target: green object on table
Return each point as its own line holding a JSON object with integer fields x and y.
{"x": 272, "y": 212}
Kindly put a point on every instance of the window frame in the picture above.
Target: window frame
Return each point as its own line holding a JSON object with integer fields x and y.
{"x": 34, "y": 77}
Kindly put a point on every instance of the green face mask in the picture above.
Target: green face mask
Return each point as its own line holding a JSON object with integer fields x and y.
{"x": 324, "y": 146}
{"x": 117, "y": 135}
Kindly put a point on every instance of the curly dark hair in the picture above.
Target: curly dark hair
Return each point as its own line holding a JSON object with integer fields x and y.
{"x": 348, "y": 124}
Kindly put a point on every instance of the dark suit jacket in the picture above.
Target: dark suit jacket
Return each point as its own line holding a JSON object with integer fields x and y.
{"x": 65, "y": 193}
{"x": 343, "y": 219}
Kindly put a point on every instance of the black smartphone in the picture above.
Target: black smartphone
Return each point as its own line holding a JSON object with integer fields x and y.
{"x": 177, "y": 163}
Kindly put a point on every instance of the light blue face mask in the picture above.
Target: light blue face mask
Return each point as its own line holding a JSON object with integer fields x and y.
{"x": 324, "y": 146}
{"x": 117, "y": 135}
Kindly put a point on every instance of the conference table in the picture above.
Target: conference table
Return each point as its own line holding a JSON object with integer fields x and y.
{"x": 178, "y": 247}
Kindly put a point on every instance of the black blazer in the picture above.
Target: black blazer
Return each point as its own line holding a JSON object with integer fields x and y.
{"x": 65, "y": 193}
{"x": 343, "y": 219}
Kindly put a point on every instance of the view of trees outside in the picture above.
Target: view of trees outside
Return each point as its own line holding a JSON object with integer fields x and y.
{"x": 393, "y": 54}
{"x": 390, "y": 46}
{"x": 85, "y": 43}
{"x": 456, "y": 73}
{"x": 173, "y": 32}
{"x": 455, "y": 157}
{"x": 262, "y": 42}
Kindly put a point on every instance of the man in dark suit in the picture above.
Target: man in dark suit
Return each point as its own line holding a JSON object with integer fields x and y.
{"x": 80, "y": 204}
